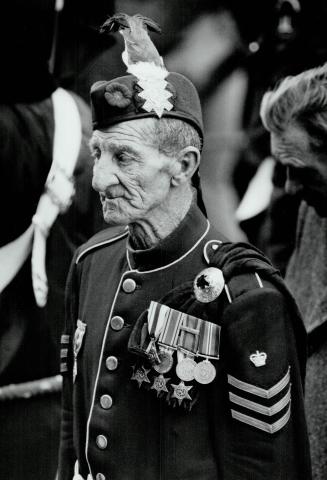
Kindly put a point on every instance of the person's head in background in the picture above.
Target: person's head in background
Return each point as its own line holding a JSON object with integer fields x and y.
{"x": 295, "y": 114}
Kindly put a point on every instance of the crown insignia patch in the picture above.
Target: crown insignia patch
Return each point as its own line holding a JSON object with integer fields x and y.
{"x": 258, "y": 358}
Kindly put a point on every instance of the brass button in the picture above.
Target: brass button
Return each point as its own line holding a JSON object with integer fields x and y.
{"x": 111, "y": 363}
{"x": 129, "y": 285}
{"x": 117, "y": 323}
{"x": 100, "y": 476}
{"x": 101, "y": 442}
{"x": 106, "y": 402}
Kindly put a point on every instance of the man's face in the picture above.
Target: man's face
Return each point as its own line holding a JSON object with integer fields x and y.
{"x": 306, "y": 169}
{"x": 132, "y": 177}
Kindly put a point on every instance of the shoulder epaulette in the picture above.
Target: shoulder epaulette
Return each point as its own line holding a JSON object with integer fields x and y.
{"x": 240, "y": 264}
{"x": 100, "y": 239}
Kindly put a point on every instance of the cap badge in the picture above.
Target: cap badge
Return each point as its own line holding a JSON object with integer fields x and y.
{"x": 151, "y": 79}
{"x": 258, "y": 358}
{"x": 208, "y": 284}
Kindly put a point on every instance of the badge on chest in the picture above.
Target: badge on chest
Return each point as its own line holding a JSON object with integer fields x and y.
{"x": 77, "y": 343}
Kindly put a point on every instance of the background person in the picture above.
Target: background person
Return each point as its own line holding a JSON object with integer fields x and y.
{"x": 29, "y": 334}
{"x": 295, "y": 114}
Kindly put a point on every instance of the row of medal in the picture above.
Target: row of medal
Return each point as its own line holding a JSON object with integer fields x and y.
{"x": 166, "y": 331}
{"x": 187, "y": 370}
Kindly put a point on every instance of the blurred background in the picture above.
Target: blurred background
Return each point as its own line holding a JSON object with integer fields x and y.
{"x": 233, "y": 51}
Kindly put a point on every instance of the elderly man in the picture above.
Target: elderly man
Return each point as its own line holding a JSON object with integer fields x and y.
{"x": 183, "y": 353}
{"x": 295, "y": 114}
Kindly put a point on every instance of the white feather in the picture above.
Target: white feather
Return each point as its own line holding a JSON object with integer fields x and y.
{"x": 147, "y": 70}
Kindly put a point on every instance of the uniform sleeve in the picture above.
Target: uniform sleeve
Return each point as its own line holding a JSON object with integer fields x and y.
{"x": 67, "y": 455}
{"x": 263, "y": 431}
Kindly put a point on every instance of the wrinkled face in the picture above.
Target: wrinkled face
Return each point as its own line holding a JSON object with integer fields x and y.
{"x": 306, "y": 169}
{"x": 131, "y": 175}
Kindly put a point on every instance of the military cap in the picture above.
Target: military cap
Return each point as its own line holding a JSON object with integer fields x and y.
{"x": 149, "y": 90}
{"x": 119, "y": 100}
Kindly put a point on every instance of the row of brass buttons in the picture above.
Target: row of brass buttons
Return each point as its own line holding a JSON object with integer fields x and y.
{"x": 116, "y": 323}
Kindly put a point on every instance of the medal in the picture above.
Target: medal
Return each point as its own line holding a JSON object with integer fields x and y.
{"x": 187, "y": 346}
{"x": 77, "y": 343}
{"x": 140, "y": 375}
{"x": 165, "y": 360}
{"x": 152, "y": 352}
{"x": 204, "y": 372}
{"x": 208, "y": 284}
{"x": 185, "y": 367}
{"x": 209, "y": 343}
{"x": 181, "y": 392}
{"x": 160, "y": 384}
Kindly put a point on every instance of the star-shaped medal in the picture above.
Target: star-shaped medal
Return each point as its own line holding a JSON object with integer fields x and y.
{"x": 140, "y": 375}
{"x": 181, "y": 392}
{"x": 160, "y": 384}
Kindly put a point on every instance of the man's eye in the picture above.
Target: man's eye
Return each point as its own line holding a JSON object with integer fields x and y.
{"x": 96, "y": 153}
{"x": 123, "y": 157}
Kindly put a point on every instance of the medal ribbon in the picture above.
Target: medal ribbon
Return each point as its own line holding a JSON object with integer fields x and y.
{"x": 157, "y": 318}
{"x": 189, "y": 334}
{"x": 170, "y": 331}
{"x": 209, "y": 340}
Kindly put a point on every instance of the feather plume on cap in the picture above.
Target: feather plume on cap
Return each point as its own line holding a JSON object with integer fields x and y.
{"x": 142, "y": 58}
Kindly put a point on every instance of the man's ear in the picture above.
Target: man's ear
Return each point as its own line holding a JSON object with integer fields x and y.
{"x": 187, "y": 162}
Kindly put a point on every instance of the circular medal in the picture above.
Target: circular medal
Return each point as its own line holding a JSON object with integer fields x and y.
{"x": 165, "y": 362}
{"x": 208, "y": 284}
{"x": 185, "y": 369}
{"x": 204, "y": 372}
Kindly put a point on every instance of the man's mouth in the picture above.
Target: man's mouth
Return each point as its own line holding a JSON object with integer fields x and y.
{"x": 107, "y": 197}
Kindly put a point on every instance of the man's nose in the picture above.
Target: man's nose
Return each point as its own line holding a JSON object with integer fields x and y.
{"x": 293, "y": 184}
{"x": 104, "y": 173}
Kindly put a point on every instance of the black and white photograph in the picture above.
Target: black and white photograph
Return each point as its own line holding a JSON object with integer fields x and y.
{"x": 163, "y": 255}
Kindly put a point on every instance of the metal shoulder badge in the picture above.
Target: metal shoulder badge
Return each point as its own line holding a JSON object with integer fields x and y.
{"x": 178, "y": 348}
{"x": 208, "y": 284}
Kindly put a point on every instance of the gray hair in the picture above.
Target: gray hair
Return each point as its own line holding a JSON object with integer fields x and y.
{"x": 170, "y": 135}
{"x": 299, "y": 100}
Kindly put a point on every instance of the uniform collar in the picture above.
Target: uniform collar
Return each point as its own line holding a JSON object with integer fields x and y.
{"x": 183, "y": 239}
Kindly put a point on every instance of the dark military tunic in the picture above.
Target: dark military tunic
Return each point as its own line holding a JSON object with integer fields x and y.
{"x": 247, "y": 424}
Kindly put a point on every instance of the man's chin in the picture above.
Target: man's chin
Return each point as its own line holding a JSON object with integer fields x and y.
{"x": 113, "y": 219}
